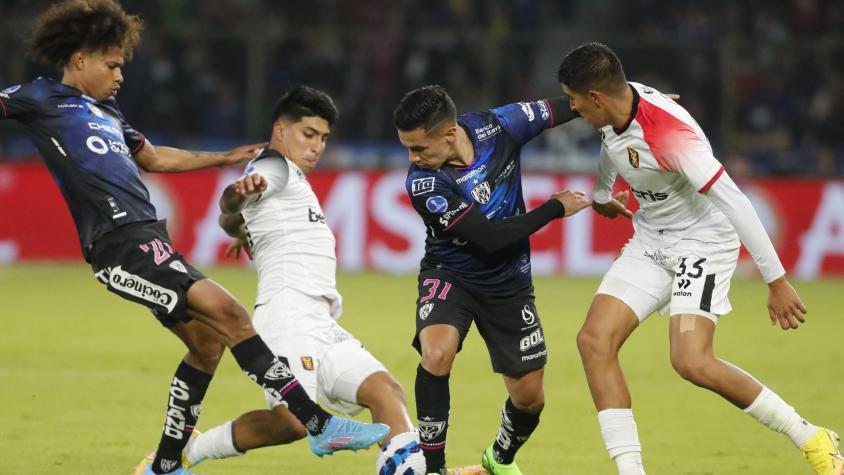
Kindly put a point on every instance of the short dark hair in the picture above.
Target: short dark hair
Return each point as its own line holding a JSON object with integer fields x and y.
{"x": 303, "y": 101}
{"x": 592, "y": 66}
{"x": 425, "y": 107}
{"x": 83, "y": 25}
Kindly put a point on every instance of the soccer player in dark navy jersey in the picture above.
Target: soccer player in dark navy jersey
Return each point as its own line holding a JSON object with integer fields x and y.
{"x": 94, "y": 155}
{"x": 465, "y": 182}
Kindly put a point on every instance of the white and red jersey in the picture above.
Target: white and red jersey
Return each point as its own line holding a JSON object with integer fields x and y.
{"x": 292, "y": 245}
{"x": 682, "y": 189}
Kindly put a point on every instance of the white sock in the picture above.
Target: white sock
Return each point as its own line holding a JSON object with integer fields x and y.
{"x": 771, "y": 410}
{"x": 410, "y": 455}
{"x": 216, "y": 443}
{"x": 618, "y": 428}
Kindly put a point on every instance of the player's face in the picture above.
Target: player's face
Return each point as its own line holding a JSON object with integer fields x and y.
{"x": 101, "y": 72}
{"x": 304, "y": 141}
{"x": 429, "y": 150}
{"x": 588, "y": 106}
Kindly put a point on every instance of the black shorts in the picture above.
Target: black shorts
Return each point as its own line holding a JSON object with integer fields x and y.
{"x": 138, "y": 263}
{"x": 508, "y": 324}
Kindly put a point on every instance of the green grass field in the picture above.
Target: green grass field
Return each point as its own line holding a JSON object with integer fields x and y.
{"x": 83, "y": 377}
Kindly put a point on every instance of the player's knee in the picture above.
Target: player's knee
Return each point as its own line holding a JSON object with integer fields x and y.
{"x": 208, "y": 353}
{"x": 382, "y": 390}
{"x": 437, "y": 360}
{"x": 692, "y": 368}
{"x": 531, "y": 402}
{"x": 234, "y": 320}
{"x": 595, "y": 344}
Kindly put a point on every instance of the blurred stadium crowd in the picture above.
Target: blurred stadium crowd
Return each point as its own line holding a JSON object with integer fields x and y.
{"x": 765, "y": 78}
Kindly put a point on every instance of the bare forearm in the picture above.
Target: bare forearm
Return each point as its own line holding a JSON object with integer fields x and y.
{"x": 232, "y": 224}
{"x": 174, "y": 160}
{"x": 231, "y": 202}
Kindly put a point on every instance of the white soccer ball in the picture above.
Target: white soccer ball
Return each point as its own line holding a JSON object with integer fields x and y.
{"x": 407, "y": 460}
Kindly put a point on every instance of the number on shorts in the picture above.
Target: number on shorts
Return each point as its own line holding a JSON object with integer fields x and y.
{"x": 696, "y": 266}
{"x": 161, "y": 251}
{"x": 434, "y": 285}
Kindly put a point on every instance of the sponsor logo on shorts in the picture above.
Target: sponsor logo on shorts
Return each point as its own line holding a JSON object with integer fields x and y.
{"x": 534, "y": 356}
{"x": 278, "y": 371}
{"x": 425, "y": 310}
{"x": 420, "y": 186}
{"x": 141, "y": 288}
{"x": 531, "y": 340}
{"x": 307, "y": 362}
{"x": 528, "y": 315}
{"x": 429, "y": 430}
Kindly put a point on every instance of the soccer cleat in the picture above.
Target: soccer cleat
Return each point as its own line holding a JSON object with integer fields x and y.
{"x": 145, "y": 467}
{"x": 822, "y": 453}
{"x": 495, "y": 468}
{"x": 346, "y": 434}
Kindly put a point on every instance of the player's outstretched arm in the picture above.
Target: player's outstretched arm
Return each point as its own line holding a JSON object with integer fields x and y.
{"x": 493, "y": 236}
{"x": 616, "y": 206}
{"x": 173, "y": 160}
{"x": 237, "y": 195}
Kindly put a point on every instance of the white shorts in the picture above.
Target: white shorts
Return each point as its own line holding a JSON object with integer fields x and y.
{"x": 327, "y": 360}
{"x": 689, "y": 277}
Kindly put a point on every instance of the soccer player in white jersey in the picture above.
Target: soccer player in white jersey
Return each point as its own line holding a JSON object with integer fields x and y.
{"x": 275, "y": 216}
{"x": 680, "y": 259}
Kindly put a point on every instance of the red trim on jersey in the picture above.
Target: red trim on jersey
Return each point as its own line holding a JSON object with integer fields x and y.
{"x": 550, "y": 110}
{"x": 5, "y": 112}
{"x": 458, "y": 218}
{"x": 665, "y": 134}
{"x": 140, "y": 145}
{"x": 711, "y": 182}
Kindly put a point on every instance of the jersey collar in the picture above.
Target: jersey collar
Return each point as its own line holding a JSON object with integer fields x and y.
{"x": 633, "y": 111}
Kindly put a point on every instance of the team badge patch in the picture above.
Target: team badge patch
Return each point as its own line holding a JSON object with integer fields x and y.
{"x": 307, "y": 362}
{"x": 428, "y": 430}
{"x": 420, "y": 186}
{"x": 633, "y": 156}
{"x": 481, "y": 193}
{"x": 425, "y": 310}
{"x": 436, "y": 204}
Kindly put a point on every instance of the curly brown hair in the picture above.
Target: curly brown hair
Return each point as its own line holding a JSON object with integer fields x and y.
{"x": 88, "y": 25}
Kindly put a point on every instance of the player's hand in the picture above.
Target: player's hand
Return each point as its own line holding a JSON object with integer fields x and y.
{"x": 244, "y": 152}
{"x": 573, "y": 201}
{"x": 673, "y": 96}
{"x": 785, "y": 305}
{"x": 617, "y": 206}
{"x": 251, "y": 185}
{"x": 236, "y": 246}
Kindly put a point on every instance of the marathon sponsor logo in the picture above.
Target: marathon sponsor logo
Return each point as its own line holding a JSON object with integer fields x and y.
{"x": 471, "y": 174}
{"x": 141, "y": 288}
{"x": 174, "y": 424}
{"x": 528, "y": 111}
{"x": 445, "y": 219}
{"x": 682, "y": 293}
{"x": 420, "y": 186}
{"x": 487, "y": 131}
{"x": 105, "y": 127}
{"x": 534, "y": 356}
{"x": 508, "y": 170}
{"x": 531, "y": 340}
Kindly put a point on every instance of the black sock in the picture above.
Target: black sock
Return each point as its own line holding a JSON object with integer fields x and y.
{"x": 273, "y": 374}
{"x": 186, "y": 393}
{"x": 433, "y": 403}
{"x": 516, "y": 427}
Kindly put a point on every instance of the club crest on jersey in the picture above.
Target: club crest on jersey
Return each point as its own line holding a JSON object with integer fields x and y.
{"x": 307, "y": 362}
{"x": 481, "y": 193}
{"x": 633, "y": 156}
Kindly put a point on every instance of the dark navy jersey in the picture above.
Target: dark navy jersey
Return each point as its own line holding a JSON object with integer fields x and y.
{"x": 87, "y": 146}
{"x": 493, "y": 184}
